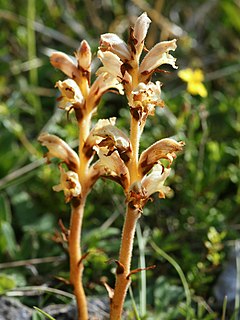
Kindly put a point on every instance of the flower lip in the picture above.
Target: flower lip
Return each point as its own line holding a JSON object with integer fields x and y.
{"x": 154, "y": 181}
{"x": 70, "y": 94}
{"x": 69, "y": 184}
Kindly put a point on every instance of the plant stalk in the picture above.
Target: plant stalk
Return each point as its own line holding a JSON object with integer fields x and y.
{"x": 74, "y": 240}
{"x": 125, "y": 255}
{"x": 75, "y": 254}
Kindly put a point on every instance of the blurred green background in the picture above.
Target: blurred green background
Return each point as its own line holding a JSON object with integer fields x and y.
{"x": 197, "y": 227}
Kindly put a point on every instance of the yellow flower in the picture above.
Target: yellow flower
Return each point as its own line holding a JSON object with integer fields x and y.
{"x": 194, "y": 79}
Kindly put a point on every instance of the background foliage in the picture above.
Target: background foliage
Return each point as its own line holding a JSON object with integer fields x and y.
{"x": 197, "y": 227}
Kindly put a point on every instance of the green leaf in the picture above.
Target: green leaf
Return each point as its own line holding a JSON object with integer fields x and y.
{"x": 6, "y": 282}
{"x": 7, "y": 238}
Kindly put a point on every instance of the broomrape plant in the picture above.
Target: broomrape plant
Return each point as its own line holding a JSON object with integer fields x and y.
{"x": 117, "y": 154}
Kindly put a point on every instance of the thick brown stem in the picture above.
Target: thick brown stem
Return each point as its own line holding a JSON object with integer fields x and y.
{"x": 123, "y": 270}
{"x": 75, "y": 254}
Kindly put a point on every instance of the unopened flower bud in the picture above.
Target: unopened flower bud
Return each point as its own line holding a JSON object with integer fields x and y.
{"x": 84, "y": 56}
{"x": 141, "y": 28}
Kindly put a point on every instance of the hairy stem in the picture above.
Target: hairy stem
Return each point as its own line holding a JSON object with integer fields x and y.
{"x": 123, "y": 270}
{"x": 75, "y": 254}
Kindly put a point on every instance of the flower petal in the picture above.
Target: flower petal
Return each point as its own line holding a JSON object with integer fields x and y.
{"x": 162, "y": 149}
{"x": 57, "y": 148}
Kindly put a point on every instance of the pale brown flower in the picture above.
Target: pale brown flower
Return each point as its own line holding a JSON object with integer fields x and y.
{"x": 62, "y": 62}
{"x": 113, "y": 43}
{"x": 140, "y": 30}
{"x": 147, "y": 97}
{"x": 57, "y": 148}
{"x": 71, "y": 95}
{"x": 157, "y": 56}
{"x": 111, "y": 166}
{"x": 104, "y": 82}
{"x": 162, "y": 149}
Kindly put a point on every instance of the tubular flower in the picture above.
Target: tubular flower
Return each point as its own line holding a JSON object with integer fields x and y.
{"x": 69, "y": 184}
{"x": 162, "y": 149}
{"x": 71, "y": 96}
{"x": 157, "y": 56}
{"x": 57, "y": 148}
{"x": 146, "y": 97}
{"x": 111, "y": 42}
{"x": 62, "y": 62}
{"x": 111, "y": 64}
{"x": 154, "y": 181}
{"x": 194, "y": 79}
